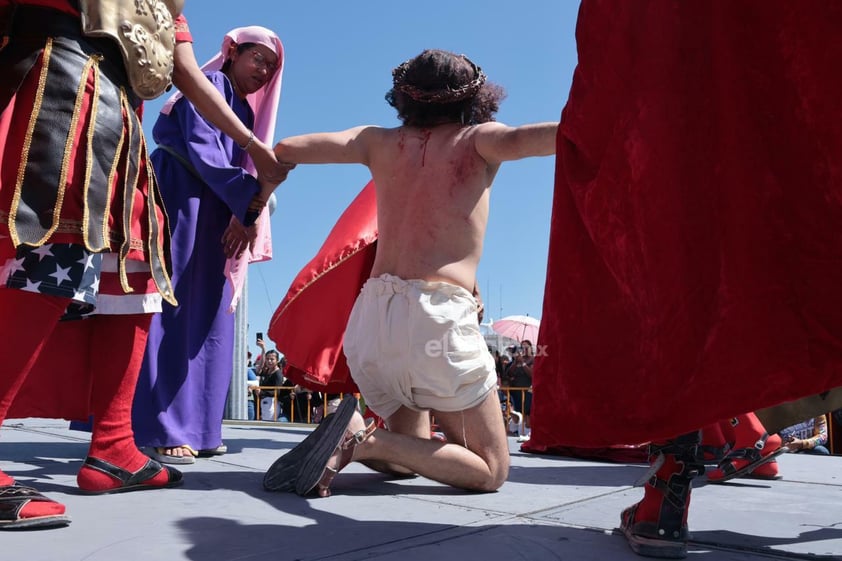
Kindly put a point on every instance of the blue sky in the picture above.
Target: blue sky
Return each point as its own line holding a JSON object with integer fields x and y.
{"x": 339, "y": 57}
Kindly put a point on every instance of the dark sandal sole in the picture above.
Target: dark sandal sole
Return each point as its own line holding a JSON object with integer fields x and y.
{"x": 762, "y": 477}
{"x": 161, "y": 458}
{"x": 650, "y": 547}
{"x": 282, "y": 475}
{"x": 39, "y": 522}
{"x": 220, "y": 450}
{"x": 313, "y": 466}
{"x": 14, "y": 498}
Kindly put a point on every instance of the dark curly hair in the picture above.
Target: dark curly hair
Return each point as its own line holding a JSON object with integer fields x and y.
{"x": 439, "y": 87}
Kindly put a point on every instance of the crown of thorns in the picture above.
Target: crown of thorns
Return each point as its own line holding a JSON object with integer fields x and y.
{"x": 446, "y": 95}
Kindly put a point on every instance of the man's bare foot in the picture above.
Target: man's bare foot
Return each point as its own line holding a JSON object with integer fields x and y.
{"x": 357, "y": 422}
{"x": 358, "y": 431}
{"x": 334, "y": 448}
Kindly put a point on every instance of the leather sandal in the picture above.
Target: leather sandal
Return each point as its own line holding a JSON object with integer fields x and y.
{"x": 12, "y": 500}
{"x": 320, "y": 468}
{"x": 765, "y": 472}
{"x": 741, "y": 461}
{"x": 132, "y": 481}
{"x": 282, "y": 475}
{"x": 158, "y": 453}
{"x": 647, "y": 539}
{"x": 710, "y": 454}
{"x": 668, "y": 484}
{"x": 220, "y": 450}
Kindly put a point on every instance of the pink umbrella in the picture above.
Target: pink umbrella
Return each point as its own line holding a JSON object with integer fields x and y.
{"x": 518, "y": 328}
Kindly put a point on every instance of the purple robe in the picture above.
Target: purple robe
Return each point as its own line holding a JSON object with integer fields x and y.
{"x": 188, "y": 364}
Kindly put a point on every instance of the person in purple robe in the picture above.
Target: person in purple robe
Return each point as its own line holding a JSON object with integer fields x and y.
{"x": 213, "y": 199}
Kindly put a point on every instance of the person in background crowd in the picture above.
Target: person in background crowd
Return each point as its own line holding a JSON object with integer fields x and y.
{"x": 271, "y": 374}
{"x": 252, "y": 387}
{"x": 519, "y": 379}
{"x": 809, "y": 437}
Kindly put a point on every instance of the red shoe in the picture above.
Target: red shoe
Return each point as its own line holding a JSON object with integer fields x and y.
{"x": 657, "y": 525}
{"x": 151, "y": 476}
{"x": 645, "y": 539}
{"x": 766, "y": 472}
{"x": 15, "y": 498}
{"x": 741, "y": 461}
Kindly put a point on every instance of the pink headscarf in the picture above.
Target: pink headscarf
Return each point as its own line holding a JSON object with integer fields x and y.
{"x": 264, "y": 103}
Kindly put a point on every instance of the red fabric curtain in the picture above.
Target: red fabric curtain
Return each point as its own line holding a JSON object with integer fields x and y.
{"x": 696, "y": 251}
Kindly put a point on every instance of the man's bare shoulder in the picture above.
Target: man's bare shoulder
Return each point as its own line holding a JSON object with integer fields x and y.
{"x": 490, "y": 127}
{"x": 377, "y": 130}
{"x": 373, "y": 135}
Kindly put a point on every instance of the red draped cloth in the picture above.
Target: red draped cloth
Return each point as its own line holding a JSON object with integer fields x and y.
{"x": 695, "y": 265}
{"x": 309, "y": 324}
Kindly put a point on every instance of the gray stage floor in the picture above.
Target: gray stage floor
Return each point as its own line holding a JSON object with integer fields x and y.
{"x": 551, "y": 508}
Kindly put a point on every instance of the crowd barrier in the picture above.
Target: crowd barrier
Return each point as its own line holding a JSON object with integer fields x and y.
{"x": 316, "y": 405}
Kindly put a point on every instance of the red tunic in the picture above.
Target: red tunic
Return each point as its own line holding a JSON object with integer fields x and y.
{"x": 695, "y": 265}
{"x": 66, "y": 6}
{"x": 69, "y": 393}
{"x": 16, "y": 114}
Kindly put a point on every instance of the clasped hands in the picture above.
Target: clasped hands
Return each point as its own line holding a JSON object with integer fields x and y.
{"x": 269, "y": 169}
{"x": 239, "y": 236}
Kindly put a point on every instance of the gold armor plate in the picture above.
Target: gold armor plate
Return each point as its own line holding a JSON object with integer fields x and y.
{"x": 145, "y": 32}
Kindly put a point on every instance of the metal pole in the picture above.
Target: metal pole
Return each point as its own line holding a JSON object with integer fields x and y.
{"x": 236, "y": 407}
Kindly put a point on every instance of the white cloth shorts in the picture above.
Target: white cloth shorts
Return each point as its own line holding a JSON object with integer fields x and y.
{"x": 418, "y": 344}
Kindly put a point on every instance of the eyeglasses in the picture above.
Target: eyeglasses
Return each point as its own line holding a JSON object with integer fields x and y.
{"x": 261, "y": 63}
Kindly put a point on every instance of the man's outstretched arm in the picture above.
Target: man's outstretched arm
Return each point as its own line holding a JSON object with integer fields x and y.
{"x": 497, "y": 142}
{"x": 344, "y": 147}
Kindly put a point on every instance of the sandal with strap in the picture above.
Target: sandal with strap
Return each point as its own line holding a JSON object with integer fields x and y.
{"x": 765, "y": 472}
{"x": 13, "y": 498}
{"x": 741, "y": 461}
{"x": 667, "y": 486}
{"x": 220, "y": 450}
{"x": 710, "y": 454}
{"x": 325, "y": 462}
{"x": 132, "y": 481}
{"x": 282, "y": 475}
{"x": 159, "y": 454}
{"x": 648, "y": 539}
